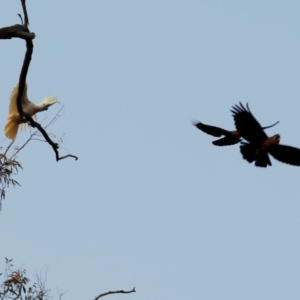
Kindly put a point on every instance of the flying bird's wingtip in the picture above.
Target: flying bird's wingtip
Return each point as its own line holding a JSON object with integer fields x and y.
{"x": 247, "y": 105}
{"x": 195, "y": 122}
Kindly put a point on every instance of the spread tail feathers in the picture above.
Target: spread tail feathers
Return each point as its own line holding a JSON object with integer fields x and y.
{"x": 251, "y": 154}
{"x": 263, "y": 160}
{"x": 11, "y": 128}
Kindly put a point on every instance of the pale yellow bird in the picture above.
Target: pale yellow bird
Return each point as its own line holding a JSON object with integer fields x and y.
{"x": 14, "y": 120}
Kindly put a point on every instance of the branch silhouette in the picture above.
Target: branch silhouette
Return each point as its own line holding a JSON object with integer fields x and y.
{"x": 115, "y": 292}
{"x": 22, "y": 31}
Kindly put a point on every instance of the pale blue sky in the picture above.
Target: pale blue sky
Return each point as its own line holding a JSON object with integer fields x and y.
{"x": 151, "y": 203}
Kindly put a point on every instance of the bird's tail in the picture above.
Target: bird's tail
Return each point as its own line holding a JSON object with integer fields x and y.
{"x": 263, "y": 160}
{"x": 11, "y": 128}
{"x": 251, "y": 153}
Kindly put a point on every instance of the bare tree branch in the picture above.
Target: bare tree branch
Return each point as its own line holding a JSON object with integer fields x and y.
{"x": 8, "y": 160}
{"x": 16, "y": 31}
{"x": 19, "y": 149}
{"x": 115, "y": 292}
{"x": 33, "y": 134}
{"x": 26, "y": 20}
{"x": 11, "y": 143}
{"x": 19, "y": 31}
{"x": 61, "y": 293}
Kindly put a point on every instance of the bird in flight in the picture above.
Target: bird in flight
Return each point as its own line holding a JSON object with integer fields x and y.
{"x": 14, "y": 120}
{"x": 230, "y": 137}
{"x": 259, "y": 144}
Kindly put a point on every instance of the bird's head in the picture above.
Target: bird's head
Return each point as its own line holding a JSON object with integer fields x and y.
{"x": 48, "y": 101}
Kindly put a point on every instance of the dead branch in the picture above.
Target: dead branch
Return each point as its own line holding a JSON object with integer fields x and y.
{"x": 16, "y": 31}
{"x": 33, "y": 134}
{"x": 115, "y": 292}
{"x": 9, "y": 165}
{"x": 26, "y": 23}
{"x": 22, "y": 80}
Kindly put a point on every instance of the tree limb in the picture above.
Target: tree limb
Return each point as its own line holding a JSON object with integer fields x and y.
{"x": 26, "y": 19}
{"x": 115, "y": 292}
{"x": 16, "y": 31}
{"x": 22, "y": 31}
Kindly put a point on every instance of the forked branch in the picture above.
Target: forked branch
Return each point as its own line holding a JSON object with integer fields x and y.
{"x": 22, "y": 31}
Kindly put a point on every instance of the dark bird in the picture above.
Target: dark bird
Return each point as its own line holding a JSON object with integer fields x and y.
{"x": 259, "y": 143}
{"x": 230, "y": 137}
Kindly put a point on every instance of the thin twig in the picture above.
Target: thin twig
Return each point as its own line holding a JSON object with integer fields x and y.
{"x": 8, "y": 147}
{"x": 20, "y": 16}
{"x": 60, "y": 293}
{"x": 115, "y": 292}
{"x": 19, "y": 149}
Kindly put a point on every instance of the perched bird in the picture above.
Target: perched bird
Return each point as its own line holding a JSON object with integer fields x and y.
{"x": 259, "y": 143}
{"x": 230, "y": 137}
{"x": 14, "y": 120}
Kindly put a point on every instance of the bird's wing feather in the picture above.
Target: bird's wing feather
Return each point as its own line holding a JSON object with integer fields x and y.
{"x": 248, "y": 126}
{"x": 227, "y": 141}
{"x": 13, "y": 109}
{"x": 212, "y": 130}
{"x": 286, "y": 154}
{"x": 25, "y": 126}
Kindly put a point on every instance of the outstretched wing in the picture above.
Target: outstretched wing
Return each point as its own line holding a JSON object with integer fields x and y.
{"x": 286, "y": 154}
{"x": 227, "y": 141}
{"x": 247, "y": 125}
{"x": 13, "y": 109}
{"x": 212, "y": 130}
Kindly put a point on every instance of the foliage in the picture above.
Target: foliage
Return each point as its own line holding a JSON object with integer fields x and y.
{"x": 16, "y": 285}
{"x": 9, "y": 165}
{"x": 8, "y": 168}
